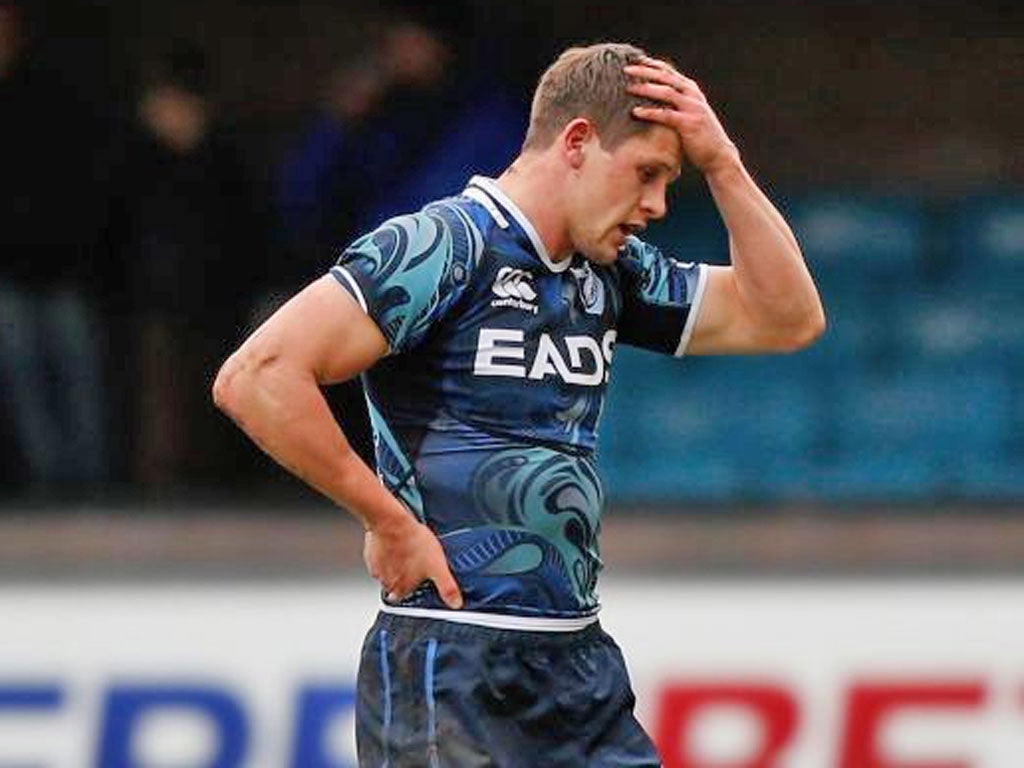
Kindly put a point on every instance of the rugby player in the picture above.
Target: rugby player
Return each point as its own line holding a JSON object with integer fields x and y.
{"x": 484, "y": 327}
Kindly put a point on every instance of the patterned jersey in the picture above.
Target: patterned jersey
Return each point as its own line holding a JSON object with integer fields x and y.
{"x": 485, "y": 410}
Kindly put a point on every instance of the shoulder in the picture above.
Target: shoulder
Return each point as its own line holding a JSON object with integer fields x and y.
{"x": 452, "y": 232}
{"x": 466, "y": 223}
{"x": 639, "y": 262}
{"x": 441, "y": 233}
{"x": 411, "y": 270}
{"x": 646, "y": 269}
{"x": 638, "y": 254}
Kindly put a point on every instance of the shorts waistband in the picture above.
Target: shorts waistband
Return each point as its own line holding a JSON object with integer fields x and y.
{"x": 502, "y": 621}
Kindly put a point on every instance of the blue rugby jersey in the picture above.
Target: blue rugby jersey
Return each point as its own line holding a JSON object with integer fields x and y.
{"x": 485, "y": 410}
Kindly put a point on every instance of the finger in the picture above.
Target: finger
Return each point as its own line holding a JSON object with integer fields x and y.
{"x": 448, "y": 589}
{"x": 664, "y": 68}
{"x": 682, "y": 104}
{"x": 671, "y": 78}
{"x": 662, "y": 115}
{"x": 684, "y": 115}
{"x": 645, "y": 73}
{"x": 656, "y": 92}
{"x": 654, "y": 69}
{"x": 650, "y": 61}
{"x": 397, "y": 593}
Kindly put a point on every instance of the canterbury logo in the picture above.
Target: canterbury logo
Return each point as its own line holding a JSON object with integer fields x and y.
{"x": 513, "y": 284}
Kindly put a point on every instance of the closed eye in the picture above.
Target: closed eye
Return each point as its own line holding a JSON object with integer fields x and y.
{"x": 648, "y": 174}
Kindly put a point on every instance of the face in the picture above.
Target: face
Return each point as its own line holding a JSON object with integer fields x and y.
{"x": 618, "y": 192}
{"x": 413, "y": 55}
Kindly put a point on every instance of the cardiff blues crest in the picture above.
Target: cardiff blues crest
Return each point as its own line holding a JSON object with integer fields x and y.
{"x": 590, "y": 289}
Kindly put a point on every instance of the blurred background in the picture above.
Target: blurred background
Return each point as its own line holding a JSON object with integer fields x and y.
{"x": 171, "y": 172}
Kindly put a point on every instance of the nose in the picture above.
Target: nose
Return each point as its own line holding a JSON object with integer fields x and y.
{"x": 653, "y": 203}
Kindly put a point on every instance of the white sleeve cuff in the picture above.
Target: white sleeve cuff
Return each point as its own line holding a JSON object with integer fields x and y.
{"x": 346, "y": 277}
{"x": 695, "y": 307}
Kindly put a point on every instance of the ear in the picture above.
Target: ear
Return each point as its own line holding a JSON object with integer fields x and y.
{"x": 576, "y": 135}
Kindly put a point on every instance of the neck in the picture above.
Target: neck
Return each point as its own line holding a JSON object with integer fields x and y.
{"x": 535, "y": 189}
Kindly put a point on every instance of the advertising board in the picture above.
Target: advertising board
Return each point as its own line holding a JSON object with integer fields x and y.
{"x": 734, "y": 674}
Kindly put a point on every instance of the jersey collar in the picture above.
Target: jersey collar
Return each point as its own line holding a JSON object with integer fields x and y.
{"x": 487, "y": 193}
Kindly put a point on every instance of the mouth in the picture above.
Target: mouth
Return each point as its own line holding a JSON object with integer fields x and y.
{"x": 630, "y": 229}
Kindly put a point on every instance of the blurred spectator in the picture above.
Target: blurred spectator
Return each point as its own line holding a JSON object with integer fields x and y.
{"x": 419, "y": 110}
{"x": 417, "y": 113}
{"x": 189, "y": 237}
{"x": 51, "y": 341}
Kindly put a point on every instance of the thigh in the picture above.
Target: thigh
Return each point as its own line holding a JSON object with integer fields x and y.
{"x": 596, "y": 703}
{"x": 410, "y": 707}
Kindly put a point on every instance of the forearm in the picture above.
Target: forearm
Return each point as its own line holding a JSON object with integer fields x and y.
{"x": 771, "y": 278}
{"x": 284, "y": 412}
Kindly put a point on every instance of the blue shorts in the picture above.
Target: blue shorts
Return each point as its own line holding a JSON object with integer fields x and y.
{"x": 438, "y": 694}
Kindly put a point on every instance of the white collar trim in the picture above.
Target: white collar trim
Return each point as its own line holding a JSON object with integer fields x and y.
{"x": 475, "y": 193}
{"x": 493, "y": 191}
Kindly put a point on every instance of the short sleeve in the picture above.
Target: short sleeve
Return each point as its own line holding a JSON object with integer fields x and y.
{"x": 408, "y": 272}
{"x": 661, "y": 298}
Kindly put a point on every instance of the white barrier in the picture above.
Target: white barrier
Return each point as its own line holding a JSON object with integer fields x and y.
{"x": 735, "y": 674}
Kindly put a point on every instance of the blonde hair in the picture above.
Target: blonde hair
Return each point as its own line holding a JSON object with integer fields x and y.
{"x": 587, "y": 82}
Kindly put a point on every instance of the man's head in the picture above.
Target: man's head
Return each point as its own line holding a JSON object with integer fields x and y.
{"x": 173, "y": 105}
{"x": 587, "y": 82}
{"x": 613, "y": 168}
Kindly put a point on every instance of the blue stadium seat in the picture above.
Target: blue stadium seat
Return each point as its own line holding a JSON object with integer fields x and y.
{"x": 922, "y": 423}
{"x": 704, "y": 429}
{"x": 988, "y": 237}
{"x": 918, "y": 437}
{"x": 849, "y": 235}
{"x": 910, "y": 395}
{"x": 859, "y": 330}
{"x": 863, "y": 251}
{"x": 650, "y": 423}
{"x": 958, "y": 324}
{"x": 987, "y": 274}
{"x": 997, "y": 478}
{"x": 868, "y": 478}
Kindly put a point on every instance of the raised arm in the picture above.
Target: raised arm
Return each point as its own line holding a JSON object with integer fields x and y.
{"x": 270, "y": 387}
{"x": 766, "y": 300}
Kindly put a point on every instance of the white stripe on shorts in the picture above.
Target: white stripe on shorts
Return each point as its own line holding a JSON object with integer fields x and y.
{"x": 495, "y": 620}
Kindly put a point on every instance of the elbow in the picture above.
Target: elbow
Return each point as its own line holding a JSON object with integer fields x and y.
{"x": 245, "y": 381}
{"x": 221, "y": 389}
{"x": 811, "y": 327}
{"x": 226, "y": 385}
{"x": 817, "y": 324}
{"x": 793, "y": 332}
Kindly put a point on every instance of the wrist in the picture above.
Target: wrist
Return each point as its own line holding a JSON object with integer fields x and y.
{"x": 724, "y": 163}
{"x": 388, "y": 521}
{"x": 359, "y": 491}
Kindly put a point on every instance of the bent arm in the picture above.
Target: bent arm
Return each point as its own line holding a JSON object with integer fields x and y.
{"x": 270, "y": 387}
{"x": 766, "y": 301}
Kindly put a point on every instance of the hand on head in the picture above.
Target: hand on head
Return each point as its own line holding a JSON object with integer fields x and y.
{"x": 684, "y": 108}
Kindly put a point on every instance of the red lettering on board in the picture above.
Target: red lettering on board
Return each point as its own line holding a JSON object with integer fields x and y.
{"x": 773, "y": 706}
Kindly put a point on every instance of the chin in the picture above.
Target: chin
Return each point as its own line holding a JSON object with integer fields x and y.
{"x": 602, "y": 253}
{"x": 602, "y": 257}
{"x": 611, "y": 254}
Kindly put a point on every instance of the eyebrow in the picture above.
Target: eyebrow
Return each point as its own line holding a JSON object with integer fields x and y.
{"x": 675, "y": 171}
